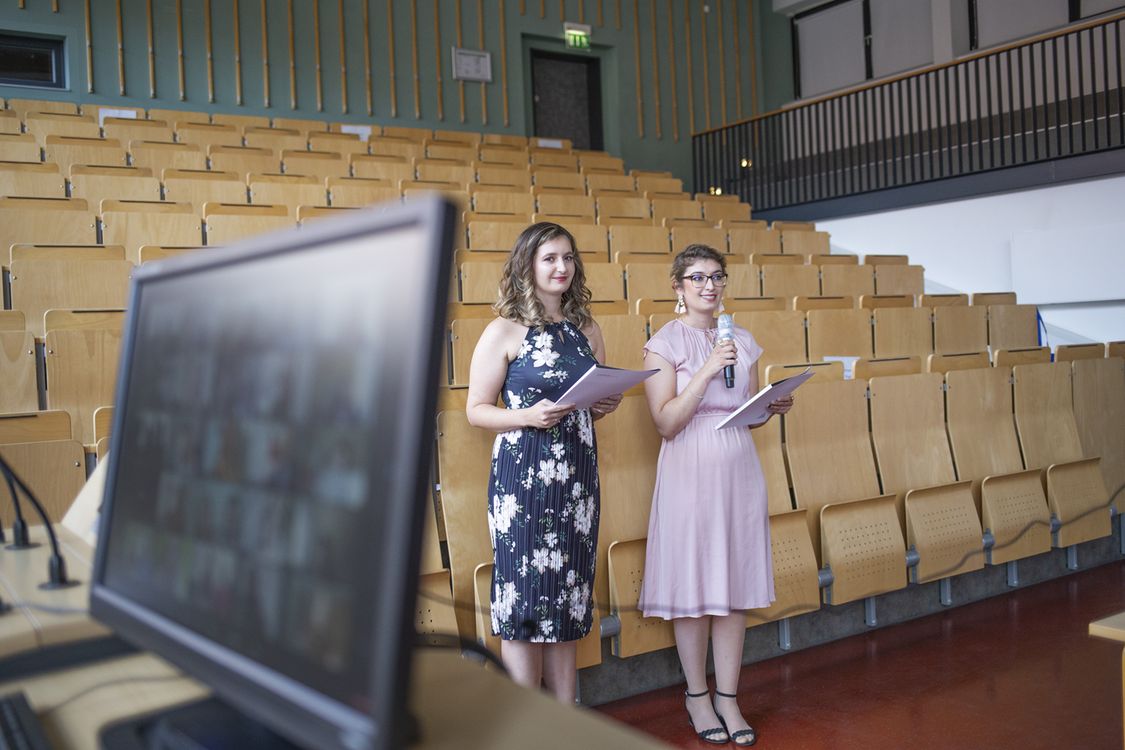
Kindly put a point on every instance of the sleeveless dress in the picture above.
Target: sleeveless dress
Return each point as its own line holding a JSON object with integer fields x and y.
{"x": 544, "y": 499}
{"x": 708, "y": 550}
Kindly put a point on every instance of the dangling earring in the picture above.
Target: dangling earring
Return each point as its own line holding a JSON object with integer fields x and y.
{"x": 680, "y": 307}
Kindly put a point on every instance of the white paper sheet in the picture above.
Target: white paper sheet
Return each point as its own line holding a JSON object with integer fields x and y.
{"x": 599, "y": 382}
{"x": 756, "y": 410}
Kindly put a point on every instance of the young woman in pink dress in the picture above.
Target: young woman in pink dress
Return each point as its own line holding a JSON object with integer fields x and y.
{"x": 708, "y": 557}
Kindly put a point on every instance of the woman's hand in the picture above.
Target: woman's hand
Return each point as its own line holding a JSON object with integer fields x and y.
{"x": 725, "y": 353}
{"x": 607, "y": 405}
{"x": 781, "y": 405}
{"x": 546, "y": 414}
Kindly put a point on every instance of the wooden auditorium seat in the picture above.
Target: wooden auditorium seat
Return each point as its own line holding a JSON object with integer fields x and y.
{"x": 337, "y": 143}
{"x": 944, "y": 300}
{"x": 81, "y": 351}
{"x": 287, "y": 190}
{"x": 839, "y": 333}
{"x": 847, "y": 279}
{"x": 197, "y": 186}
{"x": 1048, "y": 434}
{"x": 43, "y": 125}
{"x": 886, "y": 260}
{"x": 1099, "y": 411}
{"x": 822, "y": 302}
{"x": 903, "y": 331}
{"x": 204, "y": 134}
{"x": 912, "y": 453}
{"x": 96, "y": 184}
{"x": 357, "y": 192}
{"x": 877, "y": 301}
{"x": 498, "y": 235}
{"x": 31, "y": 179}
{"x": 993, "y": 298}
{"x": 136, "y": 223}
{"x": 960, "y": 328}
{"x": 228, "y": 222}
{"x": 1074, "y": 352}
{"x": 40, "y": 448}
{"x": 40, "y": 282}
{"x": 790, "y": 281}
{"x": 945, "y": 363}
{"x": 278, "y": 139}
{"x": 46, "y": 221}
{"x": 865, "y": 369}
{"x": 625, "y": 337}
{"x": 243, "y": 160}
{"x": 520, "y": 203}
{"x": 745, "y": 240}
{"x": 894, "y": 278}
{"x": 780, "y": 333}
{"x": 1025, "y": 356}
{"x": 777, "y": 259}
{"x": 605, "y": 281}
{"x": 834, "y": 259}
{"x": 684, "y": 236}
{"x": 161, "y": 155}
{"x": 803, "y": 242}
{"x": 17, "y": 364}
{"x": 19, "y": 147}
{"x": 318, "y": 164}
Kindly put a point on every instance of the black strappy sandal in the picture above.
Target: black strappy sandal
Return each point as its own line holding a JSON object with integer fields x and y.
{"x": 741, "y": 733}
{"x": 707, "y": 735}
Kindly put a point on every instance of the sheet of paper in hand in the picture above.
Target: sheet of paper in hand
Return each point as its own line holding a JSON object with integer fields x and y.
{"x": 756, "y": 410}
{"x": 599, "y": 382}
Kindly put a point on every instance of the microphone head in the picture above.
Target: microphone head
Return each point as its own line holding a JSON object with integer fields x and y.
{"x": 726, "y": 327}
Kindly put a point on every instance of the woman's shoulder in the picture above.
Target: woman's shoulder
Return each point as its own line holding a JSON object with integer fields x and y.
{"x": 670, "y": 332}
{"x": 503, "y": 331}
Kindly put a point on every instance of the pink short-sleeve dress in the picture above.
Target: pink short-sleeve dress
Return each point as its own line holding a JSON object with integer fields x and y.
{"x": 708, "y": 535}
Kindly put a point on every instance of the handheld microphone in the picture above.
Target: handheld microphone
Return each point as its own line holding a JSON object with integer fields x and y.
{"x": 726, "y": 333}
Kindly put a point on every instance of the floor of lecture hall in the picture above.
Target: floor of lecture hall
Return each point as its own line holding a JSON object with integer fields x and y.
{"x": 1013, "y": 671}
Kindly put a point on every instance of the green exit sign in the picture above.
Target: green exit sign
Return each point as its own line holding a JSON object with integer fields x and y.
{"x": 577, "y": 35}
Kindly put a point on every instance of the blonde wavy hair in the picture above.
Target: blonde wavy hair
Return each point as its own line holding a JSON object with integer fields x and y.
{"x": 519, "y": 302}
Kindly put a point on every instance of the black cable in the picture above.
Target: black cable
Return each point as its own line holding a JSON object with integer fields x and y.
{"x": 56, "y": 565}
{"x": 456, "y": 642}
{"x": 19, "y": 526}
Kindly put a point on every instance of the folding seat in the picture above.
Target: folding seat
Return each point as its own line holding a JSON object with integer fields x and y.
{"x": 43, "y": 124}
{"x": 790, "y": 280}
{"x": 496, "y": 156}
{"x": 337, "y": 143}
{"x": 446, "y": 171}
{"x": 677, "y": 209}
{"x": 319, "y": 164}
{"x": 657, "y": 184}
{"x": 17, "y": 365}
{"x": 558, "y": 182}
{"x": 780, "y": 333}
{"x": 197, "y": 186}
{"x": 847, "y": 279}
{"x": 125, "y": 130}
{"x": 82, "y": 351}
{"x": 243, "y": 160}
{"x": 684, "y": 236}
{"x": 506, "y": 203}
{"x": 119, "y": 183}
{"x": 834, "y": 478}
{"x": 40, "y": 282}
{"x": 31, "y": 179}
{"x": 1099, "y": 411}
{"x": 903, "y": 331}
{"x": 278, "y": 139}
{"x": 802, "y": 242}
{"x": 938, "y": 513}
{"x": 461, "y": 153}
{"x": 895, "y": 278}
{"x": 24, "y": 106}
{"x": 1012, "y": 326}
{"x": 241, "y": 121}
{"x": 746, "y": 240}
{"x": 839, "y": 333}
{"x": 566, "y": 205}
{"x": 396, "y": 147}
{"x": 225, "y": 223}
{"x": 161, "y": 155}
{"x": 600, "y": 185}
{"x": 67, "y": 151}
{"x": 960, "y": 328}
{"x": 45, "y": 221}
{"x": 554, "y": 159}
{"x": 287, "y": 190}
{"x": 134, "y": 224}
{"x": 361, "y": 191}
{"x": 394, "y": 168}
{"x": 635, "y": 239}
{"x": 305, "y": 127}
{"x": 1049, "y": 439}
{"x": 503, "y": 177}
{"x": 40, "y": 447}
{"x": 205, "y": 134}
{"x": 716, "y": 211}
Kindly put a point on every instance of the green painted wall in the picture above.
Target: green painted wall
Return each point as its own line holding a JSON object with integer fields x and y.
{"x": 647, "y": 142}
{"x": 775, "y": 57}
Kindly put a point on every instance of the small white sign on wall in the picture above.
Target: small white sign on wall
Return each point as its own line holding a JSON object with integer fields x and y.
{"x": 472, "y": 65}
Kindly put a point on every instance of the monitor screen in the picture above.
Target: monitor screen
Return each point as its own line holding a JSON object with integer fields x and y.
{"x": 269, "y": 464}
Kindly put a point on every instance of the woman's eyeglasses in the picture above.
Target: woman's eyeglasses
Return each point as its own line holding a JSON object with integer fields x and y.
{"x": 699, "y": 280}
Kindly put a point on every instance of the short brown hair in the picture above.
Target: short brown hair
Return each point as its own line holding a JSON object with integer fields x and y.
{"x": 692, "y": 253}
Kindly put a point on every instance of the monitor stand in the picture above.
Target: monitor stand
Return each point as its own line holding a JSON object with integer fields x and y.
{"x": 204, "y": 725}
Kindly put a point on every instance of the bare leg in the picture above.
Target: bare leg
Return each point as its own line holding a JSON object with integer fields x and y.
{"x": 727, "y": 635}
{"x": 524, "y": 662}
{"x": 691, "y": 644}
{"x": 560, "y": 669}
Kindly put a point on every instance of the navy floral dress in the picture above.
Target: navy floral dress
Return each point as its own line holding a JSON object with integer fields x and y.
{"x": 544, "y": 499}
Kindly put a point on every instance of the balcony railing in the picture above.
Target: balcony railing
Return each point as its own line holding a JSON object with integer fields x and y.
{"x": 1049, "y": 97}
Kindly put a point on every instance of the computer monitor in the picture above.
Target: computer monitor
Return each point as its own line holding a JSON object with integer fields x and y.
{"x": 271, "y": 446}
